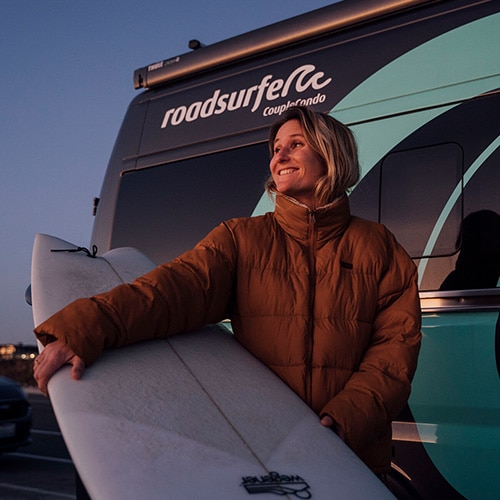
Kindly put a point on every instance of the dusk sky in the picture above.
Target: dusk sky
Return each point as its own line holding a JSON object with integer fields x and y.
{"x": 66, "y": 80}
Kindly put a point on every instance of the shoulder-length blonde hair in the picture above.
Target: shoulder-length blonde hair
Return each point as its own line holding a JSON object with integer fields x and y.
{"x": 333, "y": 142}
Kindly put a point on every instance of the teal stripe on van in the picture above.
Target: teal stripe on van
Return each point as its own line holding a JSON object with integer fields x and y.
{"x": 433, "y": 74}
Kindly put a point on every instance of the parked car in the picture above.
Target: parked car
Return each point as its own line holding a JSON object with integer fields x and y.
{"x": 15, "y": 416}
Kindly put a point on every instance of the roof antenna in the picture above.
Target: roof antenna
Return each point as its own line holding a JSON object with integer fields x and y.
{"x": 195, "y": 44}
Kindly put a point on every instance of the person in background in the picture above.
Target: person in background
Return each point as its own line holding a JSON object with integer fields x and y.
{"x": 478, "y": 263}
{"x": 325, "y": 299}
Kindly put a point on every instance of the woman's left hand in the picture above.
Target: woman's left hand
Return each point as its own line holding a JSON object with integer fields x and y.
{"x": 328, "y": 421}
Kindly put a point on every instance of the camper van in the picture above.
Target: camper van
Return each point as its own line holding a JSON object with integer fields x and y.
{"x": 418, "y": 83}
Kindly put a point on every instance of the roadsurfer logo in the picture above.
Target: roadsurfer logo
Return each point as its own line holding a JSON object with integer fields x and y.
{"x": 278, "y": 484}
{"x": 302, "y": 79}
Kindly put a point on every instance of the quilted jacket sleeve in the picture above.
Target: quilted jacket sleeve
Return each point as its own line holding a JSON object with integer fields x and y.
{"x": 193, "y": 290}
{"x": 379, "y": 389}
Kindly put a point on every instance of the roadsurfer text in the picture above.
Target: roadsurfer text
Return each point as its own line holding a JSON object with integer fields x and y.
{"x": 301, "y": 79}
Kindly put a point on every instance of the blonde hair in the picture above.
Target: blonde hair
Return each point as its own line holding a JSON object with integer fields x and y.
{"x": 333, "y": 142}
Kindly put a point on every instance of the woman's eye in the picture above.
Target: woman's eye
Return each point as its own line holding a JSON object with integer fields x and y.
{"x": 293, "y": 145}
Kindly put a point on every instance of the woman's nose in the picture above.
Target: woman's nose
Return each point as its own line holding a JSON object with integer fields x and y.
{"x": 282, "y": 155}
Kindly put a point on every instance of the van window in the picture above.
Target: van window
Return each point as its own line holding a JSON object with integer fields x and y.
{"x": 476, "y": 264}
{"x": 421, "y": 195}
{"x": 166, "y": 209}
{"x": 446, "y": 215}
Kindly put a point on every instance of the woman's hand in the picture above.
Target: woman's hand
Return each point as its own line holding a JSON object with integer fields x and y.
{"x": 55, "y": 355}
{"x": 328, "y": 421}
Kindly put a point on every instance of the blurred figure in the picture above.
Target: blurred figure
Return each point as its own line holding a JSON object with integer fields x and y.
{"x": 478, "y": 264}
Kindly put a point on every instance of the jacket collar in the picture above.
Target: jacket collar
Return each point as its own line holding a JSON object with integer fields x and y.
{"x": 298, "y": 220}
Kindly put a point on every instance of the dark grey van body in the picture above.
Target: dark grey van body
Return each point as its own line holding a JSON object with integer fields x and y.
{"x": 418, "y": 82}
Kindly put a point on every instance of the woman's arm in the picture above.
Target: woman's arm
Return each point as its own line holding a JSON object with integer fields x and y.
{"x": 191, "y": 291}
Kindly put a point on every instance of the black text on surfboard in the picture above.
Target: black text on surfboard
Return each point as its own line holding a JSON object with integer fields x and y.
{"x": 279, "y": 484}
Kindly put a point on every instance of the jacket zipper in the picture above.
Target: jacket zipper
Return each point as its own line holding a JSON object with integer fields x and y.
{"x": 309, "y": 342}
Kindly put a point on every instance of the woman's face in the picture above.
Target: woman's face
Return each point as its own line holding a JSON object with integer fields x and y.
{"x": 295, "y": 167}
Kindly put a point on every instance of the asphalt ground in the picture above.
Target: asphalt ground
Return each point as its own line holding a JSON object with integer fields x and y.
{"x": 42, "y": 469}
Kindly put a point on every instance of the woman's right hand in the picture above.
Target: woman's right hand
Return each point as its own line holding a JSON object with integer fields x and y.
{"x": 54, "y": 356}
{"x": 327, "y": 421}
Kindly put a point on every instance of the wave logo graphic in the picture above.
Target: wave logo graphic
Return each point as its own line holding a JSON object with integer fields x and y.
{"x": 278, "y": 484}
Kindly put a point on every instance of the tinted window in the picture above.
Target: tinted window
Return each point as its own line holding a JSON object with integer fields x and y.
{"x": 448, "y": 222}
{"x": 477, "y": 263}
{"x": 167, "y": 209}
{"x": 421, "y": 197}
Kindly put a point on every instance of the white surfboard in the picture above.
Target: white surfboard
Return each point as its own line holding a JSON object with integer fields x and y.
{"x": 192, "y": 417}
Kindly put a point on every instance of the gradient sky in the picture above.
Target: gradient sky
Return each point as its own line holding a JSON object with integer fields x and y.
{"x": 66, "y": 81}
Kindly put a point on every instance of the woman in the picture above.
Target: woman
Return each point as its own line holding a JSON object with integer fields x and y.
{"x": 328, "y": 301}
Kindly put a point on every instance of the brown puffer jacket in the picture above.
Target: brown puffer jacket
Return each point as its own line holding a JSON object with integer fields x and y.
{"x": 328, "y": 301}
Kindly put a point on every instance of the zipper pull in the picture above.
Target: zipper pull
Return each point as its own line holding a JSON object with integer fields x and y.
{"x": 312, "y": 217}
